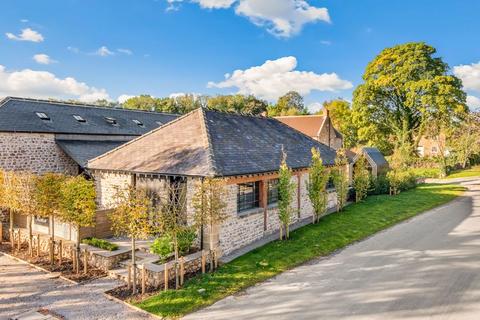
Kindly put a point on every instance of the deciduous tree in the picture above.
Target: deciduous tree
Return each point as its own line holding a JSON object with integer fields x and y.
{"x": 340, "y": 113}
{"x": 317, "y": 185}
{"x": 361, "y": 178}
{"x": 340, "y": 179}
{"x": 285, "y": 192}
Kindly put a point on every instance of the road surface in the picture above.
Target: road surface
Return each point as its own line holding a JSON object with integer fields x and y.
{"x": 425, "y": 268}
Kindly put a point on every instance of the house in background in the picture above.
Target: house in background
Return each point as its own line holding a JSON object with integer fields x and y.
{"x": 245, "y": 151}
{"x": 318, "y": 127}
{"x": 432, "y": 146}
{"x": 45, "y": 136}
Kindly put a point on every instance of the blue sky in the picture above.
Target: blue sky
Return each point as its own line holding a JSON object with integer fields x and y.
{"x": 160, "y": 47}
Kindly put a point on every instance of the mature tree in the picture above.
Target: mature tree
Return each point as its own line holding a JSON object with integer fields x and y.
{"x": 48, "y": 198}
{"x": 340, "y": 113}
{"x": 464, "y": 139}
{"x": 142, "y": 102}
{"x": 405, "y": 87}
{"x": 131, "y": 217}
{"x": 289, "y": 104}
{"x": 318, "y": 177}
{"x": 78, "y": 206}
{"x": 285, "y": 193}
{"x": 237, "y": 103}
{"x": 340, "y": 179}
{"x": 361, "y": 178}
{"x": 26, "y": 183}
{"x": 209, "y": 205}
{"x": 106, "y": 103}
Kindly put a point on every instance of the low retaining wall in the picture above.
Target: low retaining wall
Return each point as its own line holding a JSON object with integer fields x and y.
{"x": 105, "y": 260}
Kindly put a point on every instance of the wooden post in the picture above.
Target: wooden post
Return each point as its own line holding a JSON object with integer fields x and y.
{"x": 85, "y": 261}
{"x": 203, "y": 261}
{"x": 52, "y": 253}
{"x": 19, "y": 239}
{"x": 182, "y": 270}
{"x": 60, "y": 251}
{"x": 143, "y": 279}
{"x": 165, "y": 276}
{"x": 1, "y": 232}
{"x": 129, "y": 277}
{"x": 38, "y": 246}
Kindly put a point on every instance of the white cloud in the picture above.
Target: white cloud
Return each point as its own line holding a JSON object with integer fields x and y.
{"x": 282, "y": 18}
{"x": 473, "y": 102}
{"x": 43, "y": 59}
{"x": 43, "y": 84}
{"x": 215, "y": 4}
{"x": 124, "y": 97}
{"x": 125, "y": 51}
{"x": 26, "y": 35}
{"x": 276, "y": 77}
{"x": 470, "y": 75}
{"x": 103, "y": 51}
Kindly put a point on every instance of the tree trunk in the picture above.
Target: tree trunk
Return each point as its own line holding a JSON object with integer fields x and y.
{"x": 281, "y": 231}
{"x": 10, "y": 212}
{"x": 175, "y": 247}
{"x": 211, "y": 248}
{"x": 287, "y": 231}
{"x": 30, "y": 235}
{"x": 52, "y": 241}
{"x": 77, "y": 249}
{"x": 134, "y": 268}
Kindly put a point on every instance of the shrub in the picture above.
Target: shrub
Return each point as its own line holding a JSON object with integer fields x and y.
{"x": 379, "y": 185}
{"x": 427, "y": 172}
{"x": 401, "y": 180}
{"x": 163, "y": 245}
{"x": 100, "y": 243}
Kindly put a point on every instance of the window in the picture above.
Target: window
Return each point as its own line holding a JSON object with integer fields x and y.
{"x": 43, "y": 116}
{"x": 138, "y": 122}
{"x": 434, "y": 150}
{"x": 330, "y": 184}
{"x": 79, "y": 118}
{"x": 272, "y": 191}
{"x": 160, "y": 123}
{"x": 112, "y": 121}
{"x": 248, "y": 196}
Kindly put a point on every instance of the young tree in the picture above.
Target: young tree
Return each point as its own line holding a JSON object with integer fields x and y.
{"x": 317, "y": 185}
{"x": 361, "y": 179}
{"x": 405, "y": 87}
{"x": 12, "y": 199}
{"x": 48, "y": 197}
{"x": 170, "y": 217}
{"x": 78, "y": 206}
{"x": 285, "y": 192}
{"x": 340, "y": 179}
{"x": 131, "y": 217}
{"x": 27, "y": 205}
{"x": 209, "y": 205}
{"x": 2, "y": 201}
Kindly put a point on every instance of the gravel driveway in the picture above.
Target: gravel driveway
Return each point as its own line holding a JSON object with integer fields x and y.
{"x": 425, "y": 268}
{"x": 23, "y": 288}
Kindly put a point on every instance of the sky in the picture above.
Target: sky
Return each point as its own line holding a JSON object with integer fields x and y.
{"x": 113, "y": 49}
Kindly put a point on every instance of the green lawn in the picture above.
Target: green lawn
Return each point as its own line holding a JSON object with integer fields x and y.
{"x": 333, "y": 232}
{"x": 472, "y": 172}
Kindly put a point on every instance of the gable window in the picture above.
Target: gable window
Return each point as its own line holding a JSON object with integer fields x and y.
{"x": 43, "y": 116}
{"x": 248, "y": 196}
{"x": 272, "y": 191}
{"x": 79, "y": 118}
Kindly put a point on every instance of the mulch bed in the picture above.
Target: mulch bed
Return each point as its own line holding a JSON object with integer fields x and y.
{"x": 125, "y": 294}
{"x": 43, "y": 261}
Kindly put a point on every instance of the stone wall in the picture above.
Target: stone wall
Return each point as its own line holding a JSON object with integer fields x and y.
{"x": 107, "y": 185}
{"x": 34, "y": 152}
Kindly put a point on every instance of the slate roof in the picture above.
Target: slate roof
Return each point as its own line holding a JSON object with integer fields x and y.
{"x": 212, "y": 143}
{"x": 376, "y": 156}
{"x": 83, "y": 150}
{"x": 19, "y": 115}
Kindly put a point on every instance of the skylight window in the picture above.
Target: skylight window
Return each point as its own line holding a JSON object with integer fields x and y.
{"x": 138, "y": 122}
{"x": 111, "y": 120}
{"x": 79, "y": 118}
{"x": 160, "y": 123}
{"x": 43, "y": 116}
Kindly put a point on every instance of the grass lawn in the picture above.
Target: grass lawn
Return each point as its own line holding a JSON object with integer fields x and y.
{"x": 333, "y": 232}
{"x": 472, "y": 172}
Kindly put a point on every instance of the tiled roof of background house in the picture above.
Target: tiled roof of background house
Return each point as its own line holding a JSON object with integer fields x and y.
{"x": 307, "y": 124}
{"x": 24, "y": 115}
{"x": 212, "y": 143}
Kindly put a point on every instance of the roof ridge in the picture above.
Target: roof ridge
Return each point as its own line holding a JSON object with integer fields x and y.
{"x": 79, "y": 104}
{"x": 142, "y": 136}
{"x": 210, "y": 154}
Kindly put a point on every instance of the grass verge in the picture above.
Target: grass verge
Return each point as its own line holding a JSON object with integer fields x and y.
{"x": 333, "y": 232}
{"x": 465, "y": 173}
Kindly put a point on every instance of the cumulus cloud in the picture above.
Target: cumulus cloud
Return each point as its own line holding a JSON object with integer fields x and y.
{"x": 473, "y": 102}
{"x": 103, "y": 51}
{"x": 43, "y": 84}
{"x": 282, "y": 18}
{"x": 43, "y": 59}
{"x": 26, "y": 35}
{"x": 470, "y": 75}
{"x": 276, "y": 77}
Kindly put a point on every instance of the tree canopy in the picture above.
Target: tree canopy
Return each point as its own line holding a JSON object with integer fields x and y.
{"x": 404, "y": 88}
{"x": 340, "y": 112}
{"x": 289, "y": 104}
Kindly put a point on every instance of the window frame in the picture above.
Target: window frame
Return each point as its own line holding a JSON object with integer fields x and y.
{"x": 243, "y": 195}
{"x": 270, "y": 191}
